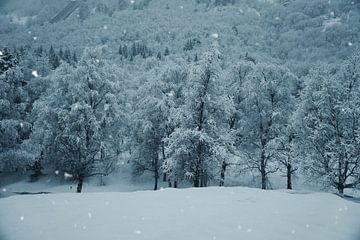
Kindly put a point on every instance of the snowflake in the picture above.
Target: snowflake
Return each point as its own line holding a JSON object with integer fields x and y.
{"x": 57, "y": 172}
{"x": 21, "y": 125}
{"x": 89, "y": 215}
{"x": 239, "y": 227}
{"x": 132, "y": 1}
{"x": 4, "y": 190}
{"x": 350, "y": 44}
{"x": 105, "y": 27}
{"x": 35, "y": 38}
{"x": 293, "y": 231}
{"x": 107, "y": 203}
{"x": 67, "y": 175}
{"x": 22, "y": 218}
{"x": 35, "y": 73}
{"x": 181, "y": 7}
{"x": 215, "y": 35}
{"x": 1, "y": 53}
{"x": 138, "y": 232}
{"x": 249, "y": 230}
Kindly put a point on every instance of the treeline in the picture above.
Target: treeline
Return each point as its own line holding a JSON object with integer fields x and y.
{"x": 186, "y": 121}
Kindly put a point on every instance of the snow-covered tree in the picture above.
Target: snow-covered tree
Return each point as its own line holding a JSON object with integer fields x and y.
{"x": 80, "y": 117}
{"x": 266, "y": 109}
{"x": 198, "y": 145}
{"x": 15, "y": 127}
{"x": 155, "y": 101}
{"x": 328, "y": 121}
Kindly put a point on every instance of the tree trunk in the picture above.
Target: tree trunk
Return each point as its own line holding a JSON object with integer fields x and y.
{"x": 196, "y": 181}
{"x": 341, "y": 189}
{"x": 175, "y": 184}
{"x": 263, "y": 170}
{"x": 341, "y": 178}
{"x": 80, "y": 185}
{"x": 222, "y": 174}
{"x": 164, "y": 177}
{"x": 156, "y": 173}
{"x": 288, "y": 175}
{"x": 156, "y": 184}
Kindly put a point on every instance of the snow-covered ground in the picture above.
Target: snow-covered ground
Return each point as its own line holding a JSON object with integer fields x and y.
{"x": 207, "y": 213}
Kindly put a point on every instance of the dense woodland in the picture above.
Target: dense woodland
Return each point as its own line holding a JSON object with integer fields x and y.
{"x": 184, "y": 90}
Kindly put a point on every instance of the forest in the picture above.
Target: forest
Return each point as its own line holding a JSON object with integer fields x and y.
{"x": 192, "y": 93}
{"x": 182, "y": 119}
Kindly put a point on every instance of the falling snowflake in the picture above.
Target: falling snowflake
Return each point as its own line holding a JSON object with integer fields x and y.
{"x": 29, "y": 32}
{"x": 35, "y": 38}
{"x": 277, "y": 18}
{"x": 22, "y": 218}
{"x": 107, "y": 203}
{"x": 132, "y": 1}
{"x": 239, "y": 227}
{"x": 57, "y": 172}
{"x": 171, "y": 94}
{"x": 53, "y": 202}
{"x": 249, "y": 230}
{"x": 21, "y": 125}
{"x": 4, "y": 190}
{"x": 293, "y": 231}
{"x": 138, "y": 232}
{"x": 307, "y": 225}
{"x": 35, "y": 73}
{"x": 89, "y": 215}
{"x": 181, "y": 7}
{"x": 67, "y": 175}
{"x": 1, "y": 53}
{"x": 105, "y": 27}
{"x": 350, "y": 44}
{"x": 215, "y": 35}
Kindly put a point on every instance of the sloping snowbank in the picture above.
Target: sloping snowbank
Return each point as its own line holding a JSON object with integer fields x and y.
{"x": 208, "y": 213}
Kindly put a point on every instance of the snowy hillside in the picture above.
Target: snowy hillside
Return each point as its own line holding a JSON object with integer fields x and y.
{"x": 208, "y": 213}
